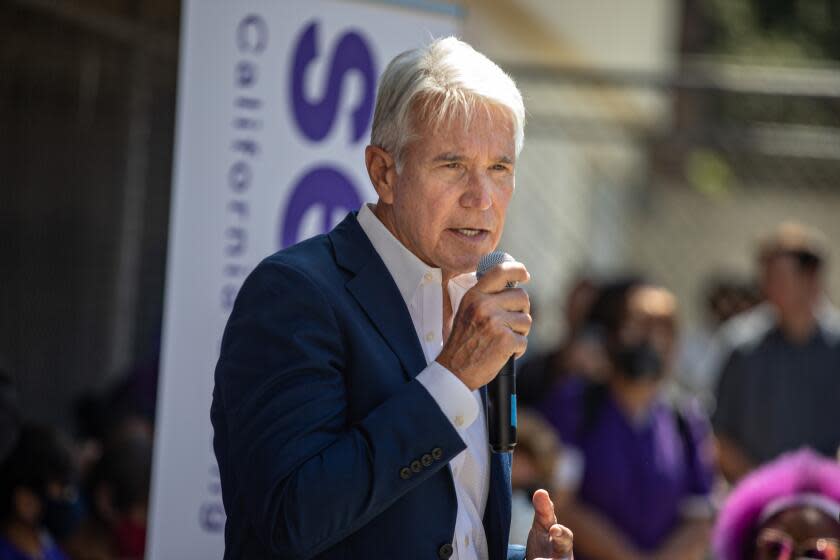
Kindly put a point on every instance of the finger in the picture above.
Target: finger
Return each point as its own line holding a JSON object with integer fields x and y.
{"x": 562, "y": 541}
{"x": 544, "y": 516}
{"x": 497, "y": 278}
{"x": 519, "y": 344}
{"x": 520, "y": 323}
{"x": 512, "y": 299}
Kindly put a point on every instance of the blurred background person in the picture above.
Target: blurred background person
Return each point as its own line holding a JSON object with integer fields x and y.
{"x": 701, "y": 347}
{"x": 786, "y": 510}
{"x": 590, "y": 311}
{"x": 117, "y": 491}
{"x": 39, "y": 497}
{"x": 779, "y": 388}
{"x": 579, "y": 351}
{"x": 647, "y": 466}
{"x": 125, "y": 404}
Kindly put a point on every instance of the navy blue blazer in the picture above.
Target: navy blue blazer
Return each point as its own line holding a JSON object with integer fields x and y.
{"x": 328, "y": 446}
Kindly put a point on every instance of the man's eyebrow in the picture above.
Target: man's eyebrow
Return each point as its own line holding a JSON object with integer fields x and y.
{"x": 449, "y": 156}
{"x": 453, "y": 156}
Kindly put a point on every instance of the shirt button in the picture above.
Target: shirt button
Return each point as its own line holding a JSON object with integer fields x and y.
{"x": 459, "y": 420}
{"x": 430, "y": 336}
{"x": 466, "y": 540}
{"x": 428, "y": 277}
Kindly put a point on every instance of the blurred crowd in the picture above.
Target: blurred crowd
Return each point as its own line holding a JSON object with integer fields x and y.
{"x": 77, "y": 494}
{"x": 655, "y": 442}
{"x": 716, "y": 443}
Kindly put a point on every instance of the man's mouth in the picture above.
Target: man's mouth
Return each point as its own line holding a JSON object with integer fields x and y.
{"x": 469, "y": 232}
{"x": 474, "y": 235}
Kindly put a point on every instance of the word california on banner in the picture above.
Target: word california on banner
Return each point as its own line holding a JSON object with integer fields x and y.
{"x": 275, "y": 103}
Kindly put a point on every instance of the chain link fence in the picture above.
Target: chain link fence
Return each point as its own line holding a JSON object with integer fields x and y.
{"x": 672, "y": 177}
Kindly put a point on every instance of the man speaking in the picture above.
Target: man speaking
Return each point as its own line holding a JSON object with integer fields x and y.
{"x": 348, "y": 406}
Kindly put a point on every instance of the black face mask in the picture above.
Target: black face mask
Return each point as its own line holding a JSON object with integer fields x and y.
{"x": 62, "y": 516}
{"x": 640, "y": 361}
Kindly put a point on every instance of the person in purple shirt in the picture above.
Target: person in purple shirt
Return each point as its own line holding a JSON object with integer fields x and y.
{"x": 647, "y": 468}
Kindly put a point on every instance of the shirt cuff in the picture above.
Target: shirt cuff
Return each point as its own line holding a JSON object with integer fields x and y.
{"x": 452, "y": 396}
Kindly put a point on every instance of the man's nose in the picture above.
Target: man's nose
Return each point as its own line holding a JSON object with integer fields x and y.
{"x": 478, "y": 192}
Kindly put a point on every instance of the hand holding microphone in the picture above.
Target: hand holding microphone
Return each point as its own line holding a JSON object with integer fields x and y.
{"x": 489, "y": 330}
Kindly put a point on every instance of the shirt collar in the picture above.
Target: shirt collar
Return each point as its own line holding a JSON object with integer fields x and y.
{"x": 826, "y": 328}
{"x": 405, "y": 267}
{"x": 407, "y": 270}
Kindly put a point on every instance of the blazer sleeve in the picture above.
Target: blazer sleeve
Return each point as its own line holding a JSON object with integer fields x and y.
{"x": 304, "y": 478}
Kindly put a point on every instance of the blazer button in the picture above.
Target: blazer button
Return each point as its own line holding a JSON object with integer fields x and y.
{"x": 415, "y": 466}
{"x": 426, "y": 460}
{"x": 405, "y": 473}
{"x": 437, "y": 453}
{"x": 445, "y": 551}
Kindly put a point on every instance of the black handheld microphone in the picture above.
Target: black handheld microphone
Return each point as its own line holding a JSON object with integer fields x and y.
{"x": 501, "y": 392}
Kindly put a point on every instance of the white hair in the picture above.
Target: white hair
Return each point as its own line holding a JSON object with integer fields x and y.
{"x": 436, "y": 83}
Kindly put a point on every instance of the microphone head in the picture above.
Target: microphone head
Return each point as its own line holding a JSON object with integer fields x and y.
{"x": 490, "y": 260}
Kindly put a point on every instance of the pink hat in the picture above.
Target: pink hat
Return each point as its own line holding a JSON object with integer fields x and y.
{"x": 788, "y": 479}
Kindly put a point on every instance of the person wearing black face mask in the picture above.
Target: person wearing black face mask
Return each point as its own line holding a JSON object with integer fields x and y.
{"x": 645, "y": 471}
{"x": 39, "y": 502}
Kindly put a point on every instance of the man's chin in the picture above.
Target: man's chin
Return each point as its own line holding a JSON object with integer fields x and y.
{"x": 461, "y": 265}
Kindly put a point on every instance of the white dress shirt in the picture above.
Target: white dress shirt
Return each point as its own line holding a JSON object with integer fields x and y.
{"x": 420, "y": 287}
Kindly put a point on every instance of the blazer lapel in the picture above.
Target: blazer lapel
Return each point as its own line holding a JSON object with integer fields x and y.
{"x": 376, "y": 292}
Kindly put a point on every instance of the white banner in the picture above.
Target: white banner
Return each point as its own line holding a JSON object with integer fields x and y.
{"x": 275, "y": 104}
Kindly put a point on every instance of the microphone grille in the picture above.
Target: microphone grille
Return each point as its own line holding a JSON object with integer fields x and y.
{"x": 490, "y": 260}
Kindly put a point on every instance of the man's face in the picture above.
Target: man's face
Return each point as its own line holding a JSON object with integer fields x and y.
{"x": 450, "y": 197}
{"x": 787, "y": 287}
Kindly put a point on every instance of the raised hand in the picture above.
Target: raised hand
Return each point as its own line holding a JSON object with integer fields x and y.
{"x": 491, "y": 325}
{"x": 547, "y": 540}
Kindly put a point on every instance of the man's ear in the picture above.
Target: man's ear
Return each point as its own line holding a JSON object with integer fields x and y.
{"x": 382, "y": 171}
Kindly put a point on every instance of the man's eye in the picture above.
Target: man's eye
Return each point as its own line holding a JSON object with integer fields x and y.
{"x": 453, "y": 165}
{"x": 499, "y": 167}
